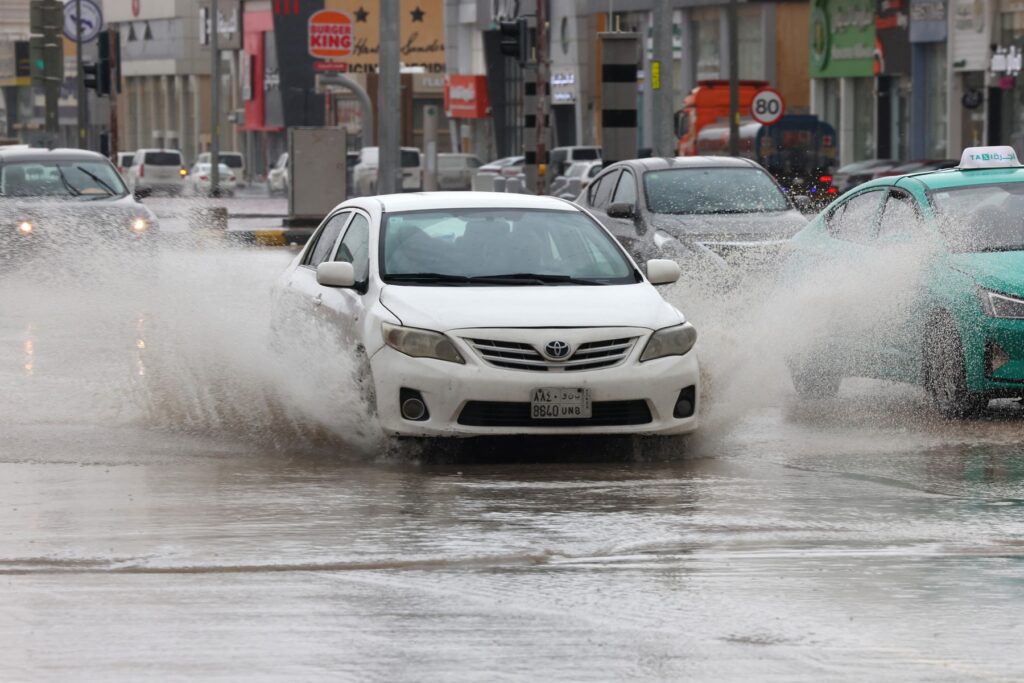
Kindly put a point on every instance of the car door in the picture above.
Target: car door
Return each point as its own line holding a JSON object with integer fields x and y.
{"x": 902, "y": 248}
{"x": 625, "y": 229}
{"x": 343, "y": 307}
{"x": 305, "y": 292}
{"x": 852, "y": 309}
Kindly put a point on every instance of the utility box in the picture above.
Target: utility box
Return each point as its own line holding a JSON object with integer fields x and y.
{"x": 316, "y": 173}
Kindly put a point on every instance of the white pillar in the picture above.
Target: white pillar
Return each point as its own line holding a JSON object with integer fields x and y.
{"x": 182, "y": 114}
{"x": 846, "y": 133}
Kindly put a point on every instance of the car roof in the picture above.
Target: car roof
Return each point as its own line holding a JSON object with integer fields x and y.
{"x": 41, "y": 154}
{"x": 663, "y": 163}
{"x": 954, "y": 177}
{"x": 426, "y": 201}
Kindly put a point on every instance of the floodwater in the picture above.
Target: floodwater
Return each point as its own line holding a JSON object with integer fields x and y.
{"x": 179, "y": 503}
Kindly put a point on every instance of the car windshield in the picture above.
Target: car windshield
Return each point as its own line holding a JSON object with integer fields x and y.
{"x": 410, "y": 158}
{"x": 126, "y": 160}
{"x": 500, "y": 247}
{"x": 982, "y": 217}
{"x": 232, "y": 160}
{"x": 586, "y": 153}
{"x": 712, "y": 190}
{"x": 162, "y": 159}
{"x": 80, "y": 179}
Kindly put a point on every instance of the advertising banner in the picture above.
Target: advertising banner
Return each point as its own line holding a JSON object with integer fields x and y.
{"x": 928, "y": 21}
{"x": 465, "y": 97}
{"x": 842, "y": 38}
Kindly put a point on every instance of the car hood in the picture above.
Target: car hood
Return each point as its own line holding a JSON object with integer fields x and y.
{"x": 999, "y": 270}
{"x": 453, "y": 308}
{"x": 743, "y": 227}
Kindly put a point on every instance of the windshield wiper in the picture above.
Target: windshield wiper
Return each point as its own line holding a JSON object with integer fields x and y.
{"x": 97, "y": 179}
{"x": 508, "y": 279}
{"x": 536, "y": 277}
{"x": 72, "y": 190}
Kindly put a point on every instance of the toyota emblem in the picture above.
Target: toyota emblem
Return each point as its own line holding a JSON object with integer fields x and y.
{"x": 557, "y": 350}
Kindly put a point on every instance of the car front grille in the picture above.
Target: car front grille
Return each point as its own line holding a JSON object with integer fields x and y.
{"x": 522, "y": 356}
{"x": 604, "y": 414}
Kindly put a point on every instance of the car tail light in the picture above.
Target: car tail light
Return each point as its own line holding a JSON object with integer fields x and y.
{"x": 825, "y": 180}
{"x": 203, "y": 177}
{"x": 833, "y": 190}
{"x": 142, "y": 170}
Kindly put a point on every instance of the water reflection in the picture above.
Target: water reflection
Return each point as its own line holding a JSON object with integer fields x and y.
{"x": 29, "y": 351}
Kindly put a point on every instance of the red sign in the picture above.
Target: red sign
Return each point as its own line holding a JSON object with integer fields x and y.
{"x": 330, "y": 34}
{"x": 465, "y": 97}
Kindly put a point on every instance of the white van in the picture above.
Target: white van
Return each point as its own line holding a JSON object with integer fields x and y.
{"x": 364, "y": 173}
{"x": 234, "y": 160}
{"x": 157, "y": 170}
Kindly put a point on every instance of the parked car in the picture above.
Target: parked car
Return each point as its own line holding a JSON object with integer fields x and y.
{"x": 955, "y": 325}
{"x": 917, "y": 166}
{"x": 199, "y": 182}
{"x": 157, "y": 170}
{"x": 483, "y": 179}
{"x": 585, "y": 171}
{"x": 728, "y": 213}
{"x": 560, "y": 158}
{"x": 52, "y": 198}
{"x": 851, "y": 175}
{"x": 123, "y": 162}
{"x": 234, "y": 160}
{"x": 364, "y": 174}
{"x": 456, "y": 171}
{"x": 351, "y": 159}
{"x": 481, "y": 313}
{"x": 277, "y": 176}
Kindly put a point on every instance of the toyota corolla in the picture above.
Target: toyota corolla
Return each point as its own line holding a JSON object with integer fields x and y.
{"x": 482, "y": 313}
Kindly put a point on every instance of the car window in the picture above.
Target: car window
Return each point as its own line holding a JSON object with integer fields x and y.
{"x": 162, "y": 159}
{"x": 854, "y": 219}
{"x": 601, "y": 195}
{"x": 355, "y": 246}
{"x": 326, "y": 238}
{"x": 410, "y": 158}
{"x": 900, "y": 217}
{"x": 594, "y": 170}
{"x": 85, "y": 179}
{"x": 586, "y": 153}
{"x": 625, "y": 191}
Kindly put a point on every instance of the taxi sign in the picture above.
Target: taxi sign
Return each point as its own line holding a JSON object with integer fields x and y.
{"x": 989, "y": 157}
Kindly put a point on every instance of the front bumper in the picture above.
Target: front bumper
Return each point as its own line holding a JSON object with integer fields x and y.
{"x": 477, "y": 399}
{"x": 988, "y": 336}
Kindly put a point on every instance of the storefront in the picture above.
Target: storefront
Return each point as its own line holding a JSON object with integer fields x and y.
{"x": 892, "y": 67}
{"x": 261, "y": 93}
{"x": 969, "y": 98}
{"x": 929, "y": 137}
{"x": 842, "y": 56}
{"x": 1004, "y": 67}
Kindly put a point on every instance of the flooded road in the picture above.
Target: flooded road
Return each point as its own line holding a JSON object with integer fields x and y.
{"x": 178, "y": 503}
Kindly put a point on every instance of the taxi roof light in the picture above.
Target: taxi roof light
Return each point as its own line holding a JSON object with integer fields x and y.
{"x": 1002, "y": 156}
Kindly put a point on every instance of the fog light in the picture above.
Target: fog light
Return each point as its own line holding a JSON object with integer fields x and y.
{"x": 139, "y": 225}
{"x": 25, "y": 228}
{"x": 997, "y": 356}
{"x": 412, "y": 405}
{"x": 686, "y": 404}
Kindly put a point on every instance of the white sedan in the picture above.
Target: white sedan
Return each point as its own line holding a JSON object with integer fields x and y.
{"x": 199, "y": 183}
{"x": 478, "y": 313}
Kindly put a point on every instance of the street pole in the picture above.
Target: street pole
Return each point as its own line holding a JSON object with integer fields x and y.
{"x": 82, "y": 114}
{"x": 215, "y": 104}
{"x": 115, "y": 88}
{"x": 389, "y": 100}
{"x": 661, "y": 81}
{"x": 543, "y": 89}
{"x": 734, "y": 79}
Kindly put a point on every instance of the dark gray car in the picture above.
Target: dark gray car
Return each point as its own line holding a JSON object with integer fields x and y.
{"x": 728, "y": 211}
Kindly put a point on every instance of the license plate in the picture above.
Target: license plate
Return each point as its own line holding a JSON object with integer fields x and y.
{"x": 560, "y": 404}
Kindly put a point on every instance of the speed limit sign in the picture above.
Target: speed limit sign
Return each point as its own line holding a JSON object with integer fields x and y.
{"x": 767, "y": 107}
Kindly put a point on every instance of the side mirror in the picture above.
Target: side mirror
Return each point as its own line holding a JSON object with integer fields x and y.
{"x": 803, "y": 203}
{"x": 336, "y": 274}
{"x": 662, "y": 271}
{"x": 621, "y": 210}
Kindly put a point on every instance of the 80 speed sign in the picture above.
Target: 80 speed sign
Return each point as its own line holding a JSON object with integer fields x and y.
{"x": 767, "y": 107}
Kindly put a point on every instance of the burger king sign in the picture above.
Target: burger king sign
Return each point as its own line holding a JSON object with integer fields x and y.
{"x": 330, "y": 34}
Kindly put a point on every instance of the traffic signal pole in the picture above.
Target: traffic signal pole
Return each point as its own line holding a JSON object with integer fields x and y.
{"x": 732, "y": 19}
{"x": 83, "y": 113}
{"x": 542, "y": 98}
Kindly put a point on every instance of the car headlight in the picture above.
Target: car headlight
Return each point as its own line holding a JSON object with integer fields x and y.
{"x": 139, "y": 225}
{"x": 421, "y": 343}
{"x": 670, "y": 341}
{"x": 25, "y": 228}
{"x": 998, "y": 305}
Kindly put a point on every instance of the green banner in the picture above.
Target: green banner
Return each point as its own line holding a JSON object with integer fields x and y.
{"x": 842, "y": 38}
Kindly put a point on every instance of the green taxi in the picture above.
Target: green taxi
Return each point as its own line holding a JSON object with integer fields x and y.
{"x": 942, "y": 301}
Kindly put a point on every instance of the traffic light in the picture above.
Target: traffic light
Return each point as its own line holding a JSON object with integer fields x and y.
{"x": 46, "y": 44}
{"x": 97, "y": 74}
{"x": 91, "y": 75}
{"x": 515, "y": 39}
